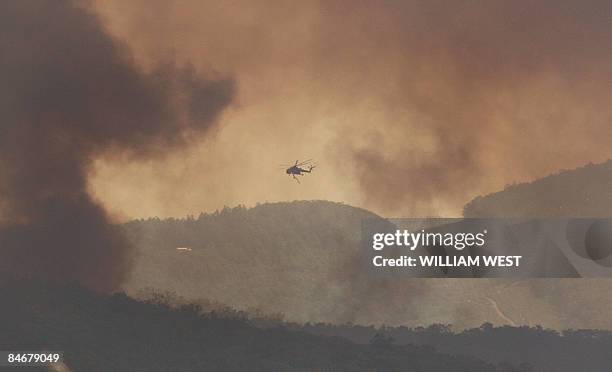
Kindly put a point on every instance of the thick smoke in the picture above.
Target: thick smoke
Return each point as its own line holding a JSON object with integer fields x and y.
{"x": 69, "y": 93}
{"x": 411, "y": 107}
{"x": 494, "y": 87}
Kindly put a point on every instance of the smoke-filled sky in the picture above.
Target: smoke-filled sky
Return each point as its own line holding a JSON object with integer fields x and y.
{"x": 70, "y": 93}
{"x": 408, "y": 107}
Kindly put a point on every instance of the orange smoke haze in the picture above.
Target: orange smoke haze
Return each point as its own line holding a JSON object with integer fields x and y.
{"x": 409, "y": 107}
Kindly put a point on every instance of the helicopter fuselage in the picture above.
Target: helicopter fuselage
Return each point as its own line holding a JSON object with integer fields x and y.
{"x": 297, "y": 170}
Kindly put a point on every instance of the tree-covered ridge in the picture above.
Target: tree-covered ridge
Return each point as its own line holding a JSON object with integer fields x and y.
{"x": 297, "y": 257}
{"x": 581, "y": 192}
{"x": 543, "y": 349}
{"x": 117, "y": 333}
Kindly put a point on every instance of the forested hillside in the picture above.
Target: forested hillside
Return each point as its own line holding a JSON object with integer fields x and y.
{"x": 543, "y": 349}
{"x": 581, "y": 192}
{"x": 299, "y": 258}
{"x": 301, "y": 261}
{"x": 116, "y": 333}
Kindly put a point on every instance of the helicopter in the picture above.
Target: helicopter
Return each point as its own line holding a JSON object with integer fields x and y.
{"x": 295, "y": 169}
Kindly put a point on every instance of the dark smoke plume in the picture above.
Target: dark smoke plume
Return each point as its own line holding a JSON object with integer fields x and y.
{"x": 69, "y": 93}
{"x": 490, "y": 87}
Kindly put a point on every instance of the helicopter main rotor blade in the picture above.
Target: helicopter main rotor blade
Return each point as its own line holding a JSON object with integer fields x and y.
{"x": 304, "y": 162}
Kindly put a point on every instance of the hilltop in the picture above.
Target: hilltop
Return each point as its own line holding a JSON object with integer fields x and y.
{"x": 581, "y": 192}
{"x": 299, "y": 258}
